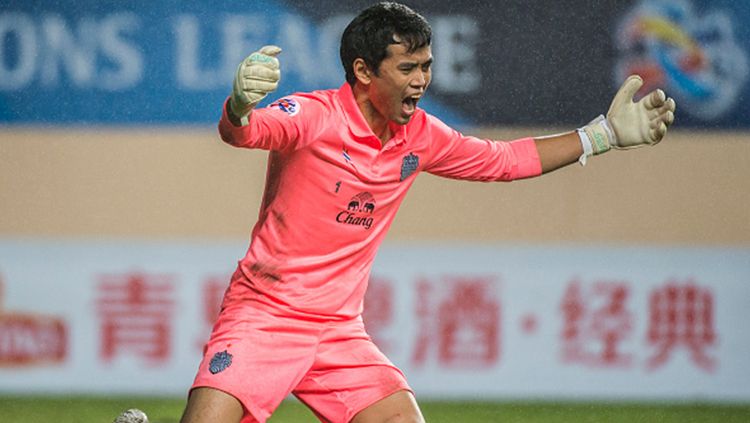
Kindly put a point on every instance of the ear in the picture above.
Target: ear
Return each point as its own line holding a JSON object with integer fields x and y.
{"x": 362, "y": 71}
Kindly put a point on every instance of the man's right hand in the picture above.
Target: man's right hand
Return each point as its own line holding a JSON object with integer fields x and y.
{"x": 256, "y": 76}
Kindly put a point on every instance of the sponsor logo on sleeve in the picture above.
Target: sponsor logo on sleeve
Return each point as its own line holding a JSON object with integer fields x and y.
{"x": 287, "y": 105}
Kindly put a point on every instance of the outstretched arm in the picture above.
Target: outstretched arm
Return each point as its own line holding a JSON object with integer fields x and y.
{"x": 628, "y": 125}
{"x": 556, "y": 151}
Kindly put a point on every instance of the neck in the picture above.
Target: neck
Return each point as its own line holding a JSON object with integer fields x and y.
{"x": 376, "y": 121}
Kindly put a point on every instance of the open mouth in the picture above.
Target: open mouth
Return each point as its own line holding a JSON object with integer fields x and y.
{"x": 409, "y": 104}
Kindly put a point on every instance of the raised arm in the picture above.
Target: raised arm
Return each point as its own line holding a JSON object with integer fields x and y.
{"x": 256, "y": 76}
{"x": 628, "y": 125}
{"x": 270, "y": 128}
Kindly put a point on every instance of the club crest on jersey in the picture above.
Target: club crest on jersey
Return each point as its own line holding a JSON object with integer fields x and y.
{"x": 219, "y": 362}
{"x": 287, "y": 105}
{"x": 358, "y": 211}
{"x": 409, "y": 165}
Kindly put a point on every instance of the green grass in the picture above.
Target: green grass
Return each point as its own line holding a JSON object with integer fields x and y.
{"x": 27, "y": 409}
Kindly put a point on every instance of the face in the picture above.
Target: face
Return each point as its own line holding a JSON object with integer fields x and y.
{"x": 400, "y": 83}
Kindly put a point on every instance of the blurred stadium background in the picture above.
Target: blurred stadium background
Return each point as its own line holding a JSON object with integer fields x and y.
{"x": 614, "y": 292}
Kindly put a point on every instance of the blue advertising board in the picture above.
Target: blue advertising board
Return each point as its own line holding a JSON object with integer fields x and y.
{"x": 505, "y": 63}
{"x": 115, "y": 62}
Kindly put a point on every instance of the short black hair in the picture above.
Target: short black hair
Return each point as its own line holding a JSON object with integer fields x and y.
{"x": 369, "y": 34}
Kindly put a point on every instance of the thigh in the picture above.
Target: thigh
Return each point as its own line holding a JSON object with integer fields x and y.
{"x": 211, "y": 405}
{"x": 255, "y": 357}
{"x": 349, "y": 375}
{"x": 400, "y": 407}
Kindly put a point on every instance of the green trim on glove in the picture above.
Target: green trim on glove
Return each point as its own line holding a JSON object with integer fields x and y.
{"x": 600, "y": 135}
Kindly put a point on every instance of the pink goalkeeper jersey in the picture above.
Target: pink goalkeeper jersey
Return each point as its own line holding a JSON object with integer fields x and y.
{"x": 332, "y": 192}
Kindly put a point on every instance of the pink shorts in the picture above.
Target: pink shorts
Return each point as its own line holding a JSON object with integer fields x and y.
{"x": 260, "y": 358}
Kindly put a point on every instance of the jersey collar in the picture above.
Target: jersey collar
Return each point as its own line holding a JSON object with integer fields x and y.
{"x": 358, "y": 125}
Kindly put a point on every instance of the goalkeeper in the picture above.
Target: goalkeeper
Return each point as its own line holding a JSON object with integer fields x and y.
{"x": 340, "y": 163}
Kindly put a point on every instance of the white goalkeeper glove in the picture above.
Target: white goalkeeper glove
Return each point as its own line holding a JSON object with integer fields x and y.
{"x": 628, "y": 124}
{"x": 256, "y": 76}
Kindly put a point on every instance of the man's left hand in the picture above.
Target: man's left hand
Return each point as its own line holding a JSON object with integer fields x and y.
{"x": 630, "y": 124}
{"x": 642, "y": 123}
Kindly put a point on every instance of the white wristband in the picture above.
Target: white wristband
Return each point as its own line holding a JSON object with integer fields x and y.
{"x": 586, "y": 144}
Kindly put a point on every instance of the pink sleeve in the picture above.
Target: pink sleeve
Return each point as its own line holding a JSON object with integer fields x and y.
{"x": 464, "y": 157}
{"x": 269, "y": 129}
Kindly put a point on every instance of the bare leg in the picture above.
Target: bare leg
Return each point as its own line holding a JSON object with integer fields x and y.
{"x": 400, "y": 407}
{"x": 212, "y": 405}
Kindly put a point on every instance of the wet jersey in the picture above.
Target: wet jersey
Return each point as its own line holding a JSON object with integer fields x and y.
{"x": 332, "y": 191}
